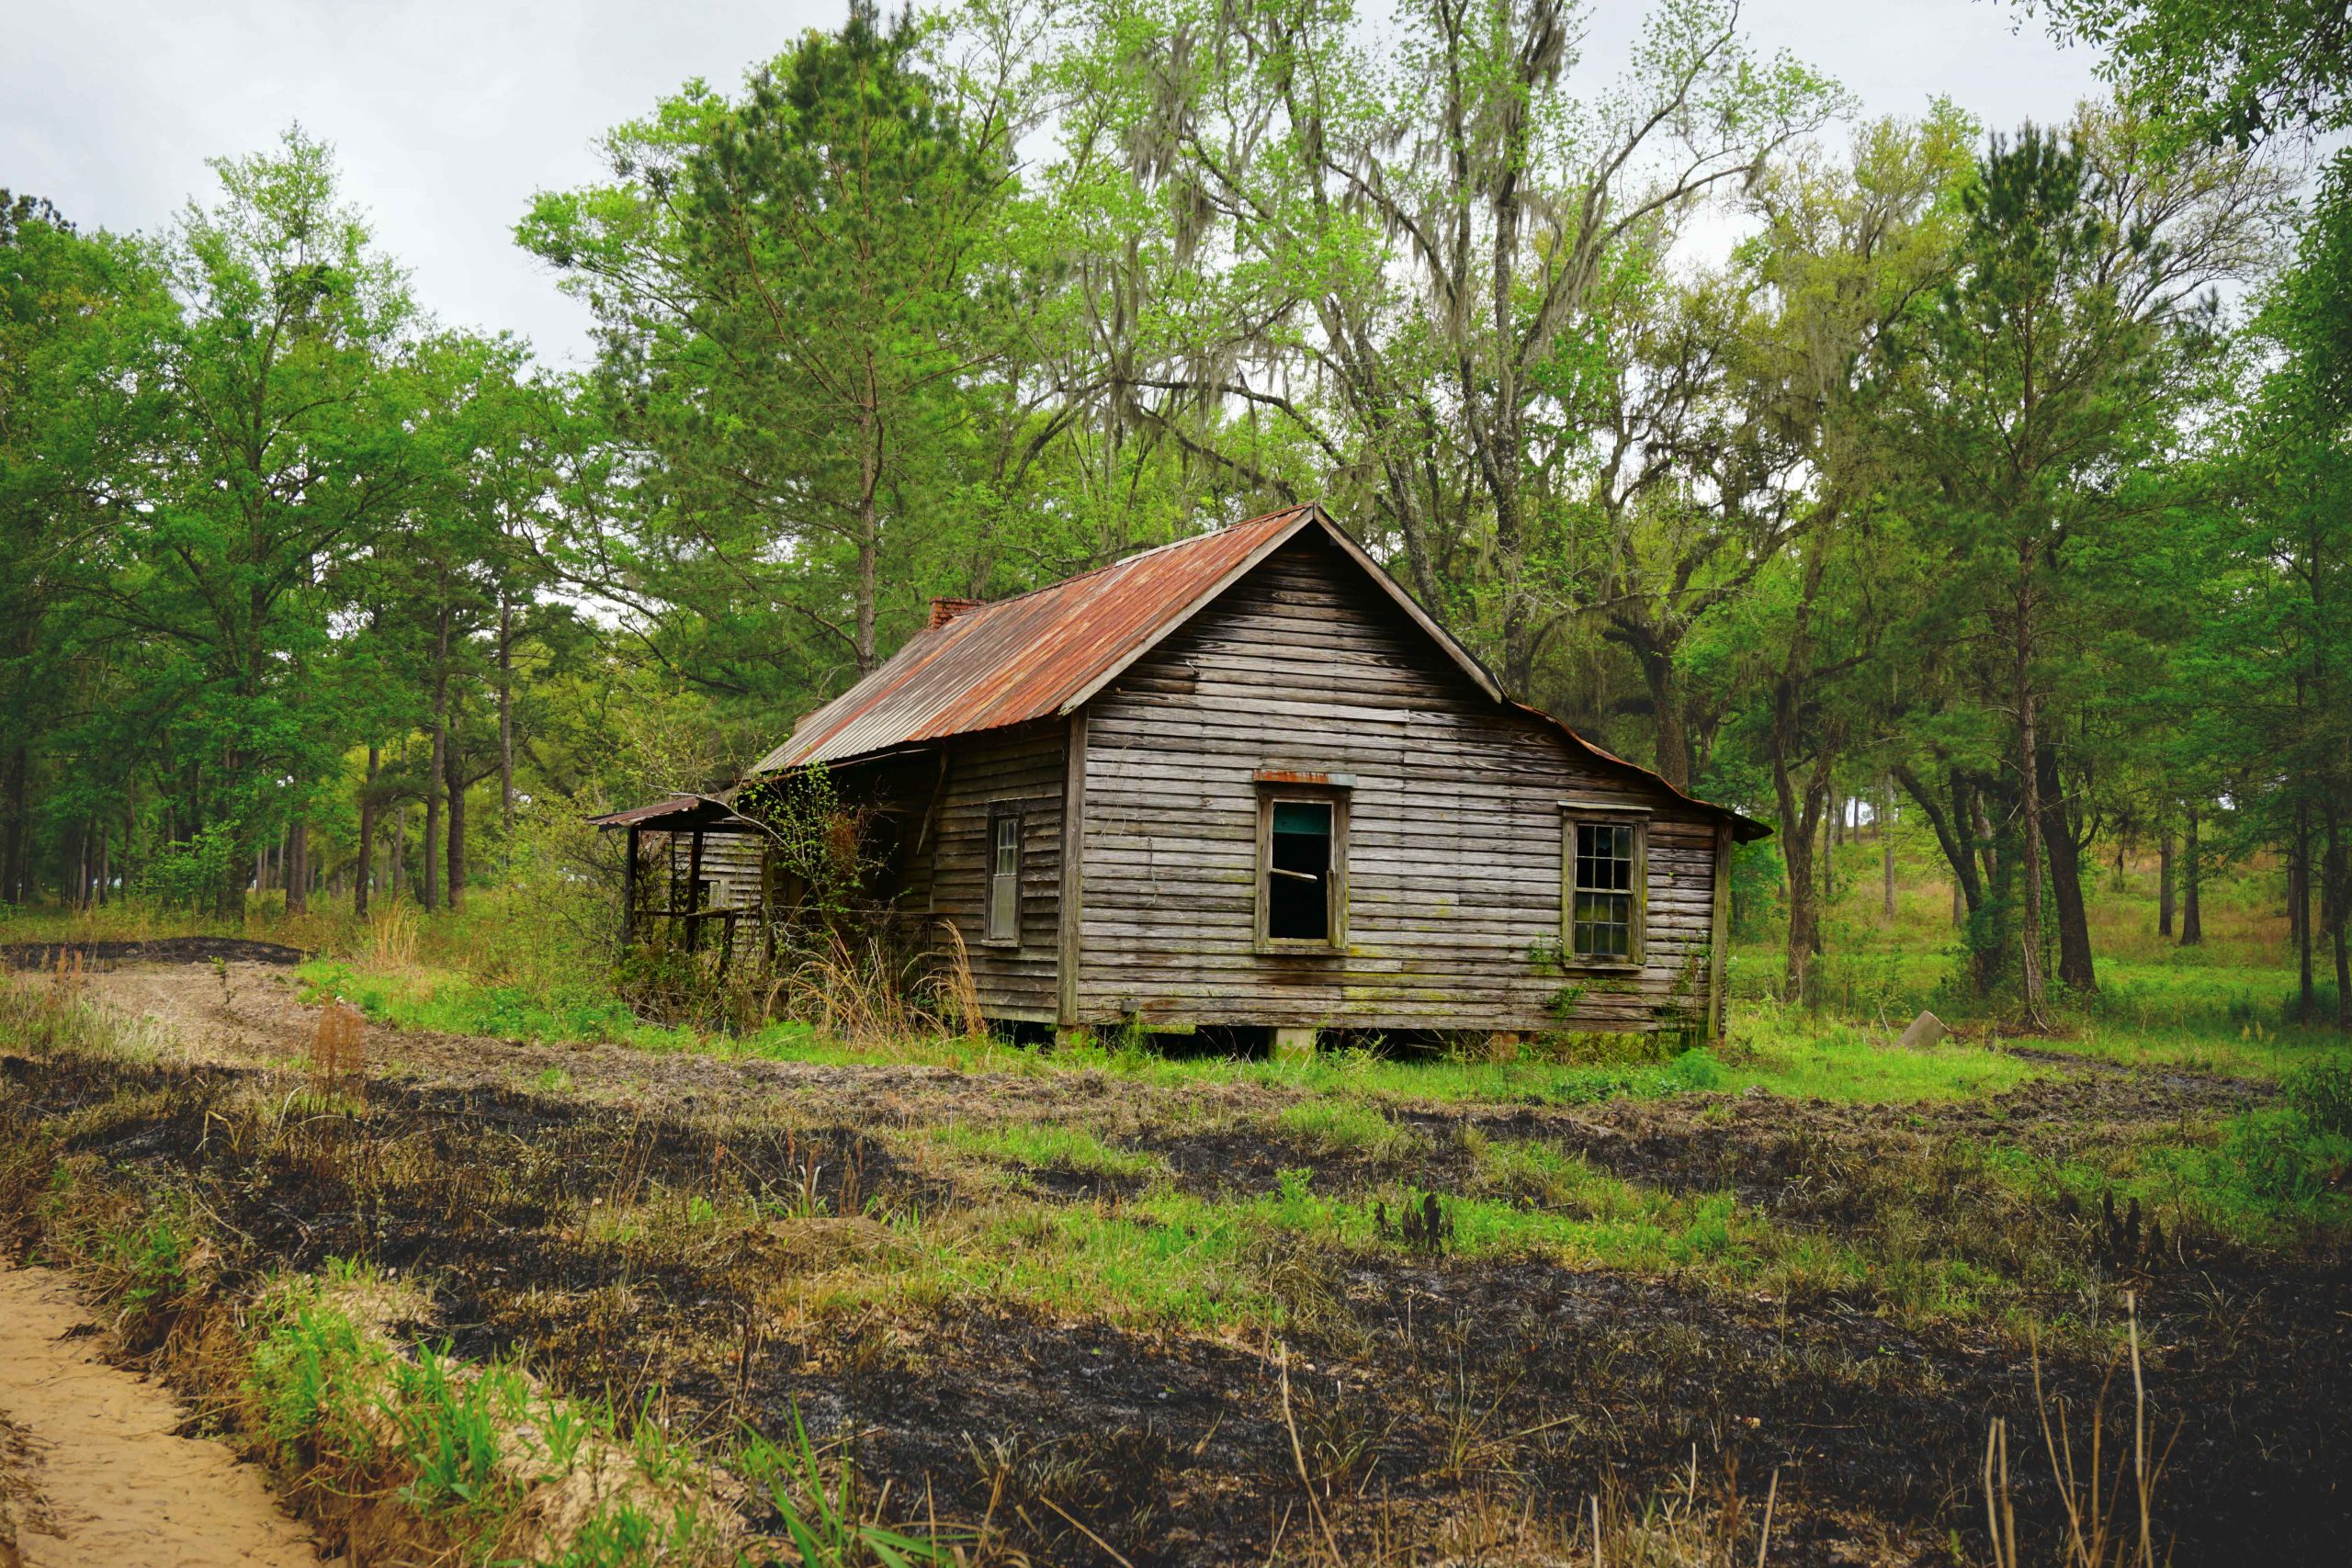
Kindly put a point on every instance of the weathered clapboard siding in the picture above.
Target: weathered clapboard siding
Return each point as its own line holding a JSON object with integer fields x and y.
{"x": 730, "y": 867}
{"x": 1023, "y": 768}
{"x": 1454, "y": 832}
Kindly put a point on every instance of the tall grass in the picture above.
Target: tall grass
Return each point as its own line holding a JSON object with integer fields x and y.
{"x": 2109, "y": 1497}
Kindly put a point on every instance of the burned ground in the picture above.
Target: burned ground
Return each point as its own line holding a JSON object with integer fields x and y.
{"x": 152, "y": 949}
{"x": 562, "y": 1226}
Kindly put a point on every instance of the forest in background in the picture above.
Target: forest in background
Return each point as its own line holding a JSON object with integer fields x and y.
{"x": 1994, "y": 479}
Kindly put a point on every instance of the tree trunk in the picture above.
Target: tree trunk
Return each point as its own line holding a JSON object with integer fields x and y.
{"x": 1955, "y": 837}
{"x": 434, "y": 769}
{"x": 2192, "y": 928}
{"x": 1799, "y": 806}
{"x": 428, "y": 883}
{"x": 1801, "y": 809}
{"x": 2335, "y": 907}
{"x": 1886, "y": 845}
{"x": 2164, "y": 881}
{"x": 456, "y": 782}
{"x": 2035, "y": 998}
{"x": 129, "y": 828}
{"x": 1988, "y": 844}
{"x": 506, "y": 719}
{"x": 869, "y": 527}
{"x": 298, "y": 867}
{"x": 2299, "y": 912}
{"x": 363, "y": 874}
{"x": 1667, "y": 716}
{"x": 1828, "y": 847}
{"x": 2076, "y": 968}
{"x": 400, "y": 850}
{"x": 12, "y": 840}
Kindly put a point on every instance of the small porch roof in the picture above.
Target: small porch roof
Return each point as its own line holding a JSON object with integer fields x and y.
{"x": 682, "y": 813}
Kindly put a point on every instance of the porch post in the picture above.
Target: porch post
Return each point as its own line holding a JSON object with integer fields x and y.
{"x": 628, "y": 893}
{"x": 1719, "y": 936}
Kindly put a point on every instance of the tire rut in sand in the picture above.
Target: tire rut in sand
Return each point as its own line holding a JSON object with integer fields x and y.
{"x": 92, "y": 1467}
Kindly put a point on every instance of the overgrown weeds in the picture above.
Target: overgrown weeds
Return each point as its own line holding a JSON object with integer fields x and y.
{"x": 2107, "y": 1496}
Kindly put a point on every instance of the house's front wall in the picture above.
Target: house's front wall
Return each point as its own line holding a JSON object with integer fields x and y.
{"x": 1454, "y": 831}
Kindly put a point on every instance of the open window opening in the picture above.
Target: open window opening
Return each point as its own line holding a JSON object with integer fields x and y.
{"x": 1298, "y": 890}
{"x": 1605, "y": 892}
{"x": 1004, "y": 923}
{"x": 1302, "y": 871}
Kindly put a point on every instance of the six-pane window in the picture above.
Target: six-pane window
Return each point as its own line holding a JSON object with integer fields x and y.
{"x": 1603, "y": 892}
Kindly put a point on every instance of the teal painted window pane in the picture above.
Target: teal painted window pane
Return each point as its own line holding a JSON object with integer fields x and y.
{"x": 1303, "y": 817}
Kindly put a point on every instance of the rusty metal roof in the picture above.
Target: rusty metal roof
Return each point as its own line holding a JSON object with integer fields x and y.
{"x": 1031, "y": 656}
{"x": 681, "y": 813}
{"x": 1046, "y": 653}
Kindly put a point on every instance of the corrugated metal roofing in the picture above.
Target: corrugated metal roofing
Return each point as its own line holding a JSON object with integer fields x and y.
{"x": 681, "y": 812}
{"x": 1044, "y": 653}
{"x": 1028, "y": 658}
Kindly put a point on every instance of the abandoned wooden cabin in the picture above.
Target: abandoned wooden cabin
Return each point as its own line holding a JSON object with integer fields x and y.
{"x": 1242, "y": 782}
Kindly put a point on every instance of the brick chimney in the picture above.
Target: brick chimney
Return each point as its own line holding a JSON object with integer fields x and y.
{"x": 946, "y": 610}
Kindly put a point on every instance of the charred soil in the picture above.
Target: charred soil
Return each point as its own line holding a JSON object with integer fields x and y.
{"x": 719, "y": 1238}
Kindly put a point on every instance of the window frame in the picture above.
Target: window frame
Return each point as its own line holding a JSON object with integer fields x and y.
{"x": 1000, "y": 813}
{"x": 1577, "y": 815}
{"x": 1335, "y": 883}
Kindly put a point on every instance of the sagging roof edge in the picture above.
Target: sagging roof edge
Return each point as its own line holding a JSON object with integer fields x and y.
{"x": 1745, "y": 828}
{"x": 670, "y": 813}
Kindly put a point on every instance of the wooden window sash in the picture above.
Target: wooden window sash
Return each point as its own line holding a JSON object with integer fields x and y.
{"x": 1637, "y": 934}
{"x": 1001, "y": 908}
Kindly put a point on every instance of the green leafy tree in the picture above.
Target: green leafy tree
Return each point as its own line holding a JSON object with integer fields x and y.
{"x": 82, "y": 319}
{"x": 2051, "y": 376}
{"x": 790, "y": 291}
{"x": 285, "y": 448}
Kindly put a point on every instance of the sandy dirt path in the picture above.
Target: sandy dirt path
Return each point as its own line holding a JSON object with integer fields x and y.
{"x": 92, "y": 1474}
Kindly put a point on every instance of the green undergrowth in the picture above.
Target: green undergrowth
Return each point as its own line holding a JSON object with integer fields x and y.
{"x": 406, "y": 1451}
{"x": 511, "y": 1473}
{"x": 1807, "y": 1056}
{"x": 1166, "y": 1257}
{"x": 453, "y": 1003}
{"x": 1046, "y": 1146}
{"x": 2270, "y": 1177}
{"x": 448, "y": 1002}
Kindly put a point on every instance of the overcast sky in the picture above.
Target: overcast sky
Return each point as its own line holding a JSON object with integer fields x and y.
{"x": 447, "y": 116}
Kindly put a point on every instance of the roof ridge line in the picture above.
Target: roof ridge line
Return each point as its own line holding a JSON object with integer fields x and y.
{"x": 1125, "y": 560}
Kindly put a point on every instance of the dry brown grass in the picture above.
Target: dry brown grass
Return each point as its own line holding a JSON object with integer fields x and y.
{"x": 392, "y": 933}
{"x": 338, "y": 1053}
{"x": 2110, "y": 1501}
{"x": 867, "y": 992}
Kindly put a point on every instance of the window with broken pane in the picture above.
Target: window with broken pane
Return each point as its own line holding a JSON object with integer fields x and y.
{"x": 1299, "y": 872}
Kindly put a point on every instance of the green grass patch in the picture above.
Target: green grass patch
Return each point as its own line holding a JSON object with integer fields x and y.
{"x": 1803, "y": 1055}
{"x": 1172, "y": 1258}
{"x": 1042, "y": 1145}
{"x": 1334, "y": 1124}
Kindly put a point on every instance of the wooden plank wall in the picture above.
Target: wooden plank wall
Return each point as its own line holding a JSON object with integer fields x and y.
{"x": 731, "y": 863}
{"x": 1023, "y": 767}
{"x": 1455, "y": 833}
